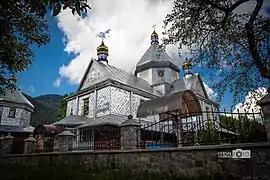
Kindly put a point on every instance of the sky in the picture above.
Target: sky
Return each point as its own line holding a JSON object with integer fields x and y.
{"x": 59, "y": 66}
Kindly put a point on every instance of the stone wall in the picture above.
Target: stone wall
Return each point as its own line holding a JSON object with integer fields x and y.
{"x": 184, "y": 161}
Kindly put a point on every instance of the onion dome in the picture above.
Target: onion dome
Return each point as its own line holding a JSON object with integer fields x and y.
{"x": 154, "y": 38}
{"x": 102, "y": 52}
{"x": 187, "y": 67}
{"x": 12, "y": 79}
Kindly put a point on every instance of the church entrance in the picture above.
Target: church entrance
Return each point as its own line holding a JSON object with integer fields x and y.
{"x": 102, "y": 137}
{"x": 45, "y": 134}
{"x": 171, "y": 109}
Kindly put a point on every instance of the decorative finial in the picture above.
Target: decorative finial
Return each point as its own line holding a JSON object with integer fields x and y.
{"x": 12, "y": 79}
{"x": 187, "y": 67}
{"x": 154, "y": 36}
{"x": 154, "y": 26}
{"x": 102, "y": 50}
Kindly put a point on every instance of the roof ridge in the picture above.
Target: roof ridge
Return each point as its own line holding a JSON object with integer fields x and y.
{"x": 151, "y": 55}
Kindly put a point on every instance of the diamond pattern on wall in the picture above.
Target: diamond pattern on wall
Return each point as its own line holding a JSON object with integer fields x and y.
{"x": 68, "y": 108}
{"x": 91, "y": 105}
{"x": 120, "y": 101}
{"x": 103, "y": 102}
{"x": 71, "y": 105}
{"x": 136, "y": 102}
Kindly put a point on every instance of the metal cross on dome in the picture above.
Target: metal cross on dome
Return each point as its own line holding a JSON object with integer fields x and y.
{"x": 154, "y": 26}
{"x": 103, "y": 35}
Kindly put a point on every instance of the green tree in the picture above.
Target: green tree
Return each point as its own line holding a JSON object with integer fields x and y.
{"x": 234, "y": 44}
{"x": 206, "y": 135}
{"x": 247, "y": 128}
{"x": 61, "y": 113}
{"x": 22, "y": 25}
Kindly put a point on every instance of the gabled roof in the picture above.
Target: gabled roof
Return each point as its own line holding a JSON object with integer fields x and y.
{"x": 193, "y": 83}
{"x": 15, "y": 97}
{"x": 118, "y": 75}
{"x": 152, "y": 54}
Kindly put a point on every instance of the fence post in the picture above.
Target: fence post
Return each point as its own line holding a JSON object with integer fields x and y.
{"x": 65, "y": 142}
{"x": 55, "y": 142}
{"x": 30, "y": 144}
{"x": 1, "y": 145}
{"x": 130, "y": 134}
{"x": 265, "y": 105}
{"x": 7, "y": 144}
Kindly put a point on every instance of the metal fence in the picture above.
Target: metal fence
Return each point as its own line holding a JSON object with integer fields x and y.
{"x": 104, "y": 137}
{"x": 206, "y": 128}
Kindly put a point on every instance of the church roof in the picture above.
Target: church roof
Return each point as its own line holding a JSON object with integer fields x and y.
{"x": 183, "y": 101}
{"x": 72, "y": 120}
{"x": 113, "y": 73}
{"x": 7, "y": 128}
{"x": 152, "y": 54}
{"x": 193, "y": 83}
{"x": 15, "y": 97}
{"x": 111, "y": 119}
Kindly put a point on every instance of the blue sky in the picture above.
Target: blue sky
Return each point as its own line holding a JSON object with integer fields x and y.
{"x": 39, "y": 78}
{"x": 73, "y": 35}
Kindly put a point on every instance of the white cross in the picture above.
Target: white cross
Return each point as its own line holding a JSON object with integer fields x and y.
{"x": 104, "y": 34}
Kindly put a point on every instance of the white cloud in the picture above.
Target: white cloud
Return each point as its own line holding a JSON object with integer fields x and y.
{"x": 32, "y": 89}
{"x": 209, "y": 91}
{"x": 131, "y": 26}
{"x": 57, "y": 82}
{"x": 249, "y": 105}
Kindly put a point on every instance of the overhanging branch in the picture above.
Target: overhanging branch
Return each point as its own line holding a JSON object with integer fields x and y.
{"x": 252, "y": 41}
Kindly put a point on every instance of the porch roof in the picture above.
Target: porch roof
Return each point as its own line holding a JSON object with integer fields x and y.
{"x": 184, "y": 102}
{"x": 110, "y": 119}
{"x": 72, "y": 120}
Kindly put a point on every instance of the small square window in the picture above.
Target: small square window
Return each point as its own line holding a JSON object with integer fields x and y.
{"x": 86, "y": 107}
{"x": 12, "y": 113}
{"x": 71, "y": 111}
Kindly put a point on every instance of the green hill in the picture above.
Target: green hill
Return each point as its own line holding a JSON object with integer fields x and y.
{"x": 46, "y": 107}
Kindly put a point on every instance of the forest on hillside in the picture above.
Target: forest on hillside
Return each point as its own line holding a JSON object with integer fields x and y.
{"x": 46, "y": 108}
